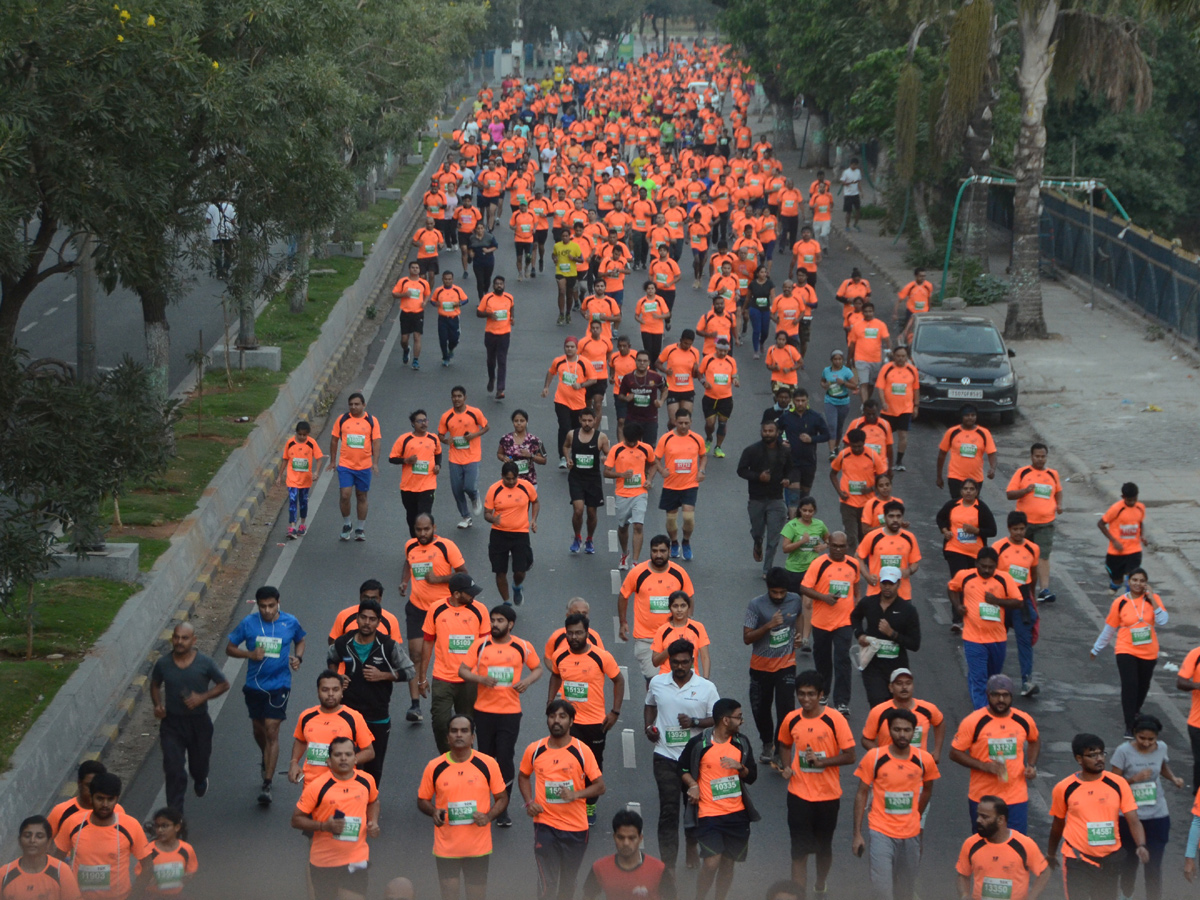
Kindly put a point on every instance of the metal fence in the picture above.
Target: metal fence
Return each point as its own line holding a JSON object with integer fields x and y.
{"x": 1144, "y": 270}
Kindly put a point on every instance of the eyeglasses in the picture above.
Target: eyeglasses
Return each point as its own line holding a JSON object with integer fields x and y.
{"x": 1095, "y": 754}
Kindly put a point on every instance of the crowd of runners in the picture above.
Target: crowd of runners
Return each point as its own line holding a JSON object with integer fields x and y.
{"x": 622, "y": 171}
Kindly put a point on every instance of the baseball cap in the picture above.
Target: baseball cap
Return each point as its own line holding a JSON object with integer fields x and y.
{"x": 890, "y": 573}
{"x": 722, "y": 342}
{"x": 896, "y": 673}
{"x": 461, "y": 582}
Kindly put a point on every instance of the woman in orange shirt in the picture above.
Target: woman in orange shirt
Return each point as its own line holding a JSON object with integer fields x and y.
{"x": 1133, "y": 618}
{"x": 571, "y": 394}
{"x": 172, "y": 859}
{"x": 966, "y": 524}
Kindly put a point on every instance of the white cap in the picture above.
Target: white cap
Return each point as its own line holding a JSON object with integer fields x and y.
{"x": 890, "y": 573}
{"x": 896, "y": 673}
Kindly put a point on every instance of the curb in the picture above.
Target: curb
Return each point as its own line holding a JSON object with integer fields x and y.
{"x": 88, "y": 713}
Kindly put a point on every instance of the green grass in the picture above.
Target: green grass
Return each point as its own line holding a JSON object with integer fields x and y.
{"x": 149, "y": 549}
{"x": 70, "y": 614}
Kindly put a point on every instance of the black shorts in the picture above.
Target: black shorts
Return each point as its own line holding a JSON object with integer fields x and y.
{"x": 527, "y": 249}
{"x": 428, "y": 265}
{"x": 599, "y": 389}
{"x": 671, "y": 499}
{"x": 473, "y": 870}
{"x": 1119, "y": 567}
{"x": 901, "y": 422}
{"x": 329, "y": 881}
{"x": 722, "y": 407}
{"x": 850, "y": 204}
{"x": 414, "y": 620}
{"x": 503, "y": 544}
{"x": 539, "y": 237}
{"x": 802, "y": 477}
{"x": 681, "y": 396}
{"x": 812, "y": 824}
{"x": 595, "y": 737}
{"x": 412, "y": 323}
{"x": 727, "y": 836}
{"x": 590, "y": 491}
{"x": 266, "y": 704}
{"x": 485, "y": 202}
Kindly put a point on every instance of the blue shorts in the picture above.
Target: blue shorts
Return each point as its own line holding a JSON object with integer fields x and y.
{"x": 671, "y": 499}
{"x": 359, "y": 479}
{"x": 266, "y": 704}
{"x": 769, "y": 249}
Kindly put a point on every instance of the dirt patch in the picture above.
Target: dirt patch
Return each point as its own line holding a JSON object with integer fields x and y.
{"x": 154, "y": 532}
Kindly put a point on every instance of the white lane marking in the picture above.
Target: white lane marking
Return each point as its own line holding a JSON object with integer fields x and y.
{"x": 29, "y": 327}
{"x": 617, "y": 629}
{"x": 233, "y": 667}
{"x": 51, "y": 311}
{"x": 68, "y": 298}
{"x": 625, "y": 675}
{"x": 613, "y": 545}
{"x": 627, "y": 748}
{"x": 610, "y": 505}
{"x": 604, "y": 423}
{"x": 616, "y": 581}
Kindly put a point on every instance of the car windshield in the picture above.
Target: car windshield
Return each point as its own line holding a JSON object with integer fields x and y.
{"x": 957, "y": 337}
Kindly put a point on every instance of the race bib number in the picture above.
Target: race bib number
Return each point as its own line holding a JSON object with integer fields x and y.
{"x": 525, "y": 229}
{"x": 1101, "y": 834}
{"x": 651, "y": 306}
{"x": 779, "y": 637}
{"x": 683, "y": 466}
{"x": 996, "y": 889}
{"x": 660, "y": 605}
{"x": 1002, "y": 749}
{"x": 1145, "y": 793}
{"x": 632, "y": 481}
{"x": 356, "y": 441}
{"x": 968, "y": 451}
{"x": 804, "y": 764}
{"x": 449, "y": 306}
{"x": 857, "y": 488}
{"x": 898, "y": 803}
{"x": 555, "y": 791}
{"x": 1130, "y": 531}
{"x": 569, "y": 378}
{"x": 726, "y": 788}
{"x": 683, "y": 378}
{"x": 271, "y": 646}
{"x": 878, "y": 448}
{"x": 1142, "y": 634}
{"x": 299, "y": 465}
{"x": 678, "y": 737}
{"x": 460, "y": 443}
{"x": 1020, "y": 574}
{"x": 575, "y": 691}
{"x": 964, "y": 537}
{"x": 94, "y": 878}
{"x": 420, "y": 570}
{"x": 918, "y": 735}
{"x": 501, "y": 315}
{"x": 887, "y": 650}
{"x": 585, "y": 461}
{"x": 415, "y": 293}
{"x": 351, "y": 830}
{"x": 892, "y": 560}
{"x": 1043, "y": 491}
{"x": 522, "y": 467}
{"x": 168, "y": 875}
{"x": 989, "y": 612}
{"x": 460, "y": 812}
{"x": 762, "y": 302}
{"x": 871, "y": 333}
{"x": 565, "y": 268}
{"x": 642, "y": 401}
{"x": 899, "y": 388}
{"x": 430, "y": 248}
{"x": 317, "y": 754}
{"x": 598, "y": 365}
{"x": 421, "y": 467}
{"x": 460, "y": 643}
{"x": 839, "y": 589}
{"x": 808, "y": 258}
{"x": 720, "y": 379}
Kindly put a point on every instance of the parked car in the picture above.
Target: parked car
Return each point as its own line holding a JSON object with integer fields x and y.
{"x": 963, "y": 359}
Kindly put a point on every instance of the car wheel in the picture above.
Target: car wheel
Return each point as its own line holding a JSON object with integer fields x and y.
{"x": 1008, "y": 417}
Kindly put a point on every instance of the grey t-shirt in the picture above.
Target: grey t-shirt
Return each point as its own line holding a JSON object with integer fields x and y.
{"x": 778, "y": 643}
{"x": 177, "y": 683}
{"x": 1152, "y": 804}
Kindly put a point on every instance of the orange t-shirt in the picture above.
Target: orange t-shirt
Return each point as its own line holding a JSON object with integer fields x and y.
{"x": 504, "y": 662}
{"x": 459, "y": 790}
{"x": 718, "y": 376}
{"x": 100, "y": 854}
{"x": 630, "y": 464}
{"x": 1134, "y": 620}
{"x": 928, "y": 718}
{"x": 653, "y": 313}
{"x": 453, "y": 428}
{"x": 650, "y": 592}
{"x": 570, "y": 376}
{"x": 318, "y": 727}
{"x": 1189, "y": 670}
{"x": 322, "y": 798}
{"x": 896, "y": 803}
{"x": 441, "y": 557}
{"x": 428, "y": 242}
{"x": 786, "y": 358}
{"x": 1003, "y": 870}
{"x": 679, "y": 365}
{"x": 838, "y": 579}
{"x": 858, "y": 474}
{"x": 1125, "y": 525}
{"x": 828, "y": 734}
{"x": 417, "y": 476}
{"x": 680, "y": 455}
{"x": 966, "y": 449}
{"x": 1019, "y": 561}
{"x": 919, "y": 296}
{"x": 170, "y": 867}
{"x": 692, "y": 631}
{"x": 789, "y": 310}
{"x": 719, "y": 325}
{"x": 499, "y": 308}
{"x": 573, "y": 766}
{"x": 897, "y": 387}
{"x": 346, "y": 621}
{"x": 879, "y": 434}
{"x": 720, "y": 787}
{"x": 593, "y": 352}
{"x": 867, "y": 337}
{"x": 806, "y": 253}
{"x": 1090, "y": 811}
{"x": 453, "y": 630}
{"x": 56, "y": 881}
{"x": 467, "y": 218}
{"x": 583, "y": 676}
{"x": 1040, "y": 506}
{"x": 983, "y": 622}
{"x": 298, "y": 459}
{"x": 881, "y": 548}
{"x": 357, "y": 435}
{"x": 985, "y": 736}
{"x": 449, "y": 301}
{"x": 511, "y": 505}
{"x": 822, "y": 206}
{"x": 962, "y": 513}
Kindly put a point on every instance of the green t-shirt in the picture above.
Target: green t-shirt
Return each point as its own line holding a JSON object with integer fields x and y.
{"x": 795, "y": 530}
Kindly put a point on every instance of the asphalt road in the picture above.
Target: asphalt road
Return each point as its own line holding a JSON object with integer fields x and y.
{"x": 246, "y": 851}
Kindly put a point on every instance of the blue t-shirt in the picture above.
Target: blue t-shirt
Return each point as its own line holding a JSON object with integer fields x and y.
{"x": 837, "y": 394}
{"x": 272, "y": 673}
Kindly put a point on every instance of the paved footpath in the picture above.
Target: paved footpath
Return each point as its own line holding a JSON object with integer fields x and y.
{"x": 243, "y": 849}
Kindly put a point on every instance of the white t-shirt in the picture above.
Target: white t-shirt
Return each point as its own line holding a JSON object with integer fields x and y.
{"x": 548, "y": 155}
{"x": 850, "y": 180}
{"x": 221, "y": 220}
{"x": 695, "y": 699}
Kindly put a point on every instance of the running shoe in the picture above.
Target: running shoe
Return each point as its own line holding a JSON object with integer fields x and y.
{"x": 576, "y": 544}
{"x": 264, "y": 794}
{"x": 588, "y": 546}
{"x": 719, "y": 453}
{"x": 359, "y": 534}
{"x": 687, "y": 551}
{"x": 291, "y": 533}
{"x": 518, "y": 595}
{"x": 674, "y": 549}
{"x": 347, "y": 531}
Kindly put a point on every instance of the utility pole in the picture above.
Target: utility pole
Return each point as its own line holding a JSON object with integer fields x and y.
{"x": 85, "y": 309}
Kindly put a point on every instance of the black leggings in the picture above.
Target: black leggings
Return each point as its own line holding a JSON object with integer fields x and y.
{"x": 483, "y": 276}
{"x": 1136, "y": 675}
{"x": 652, "y": 344}
{"x": 568, "y": 420}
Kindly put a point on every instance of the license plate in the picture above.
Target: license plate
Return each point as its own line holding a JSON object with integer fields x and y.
{"x": 964, "y": 394}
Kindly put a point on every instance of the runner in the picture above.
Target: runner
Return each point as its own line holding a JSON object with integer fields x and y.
{"x": 594, "y": 351}
{"x": 357, "y": 431}
{"x": 632, "y": 464}
{"x": 720, "y": 374}
{"x": 1084, "y": 810}
{"x": 462, "y": 790}
{"x": 771, "y": 630}
{"x": 652, "y": 314}
{"x": 1134, "y": 618}
{"x": 717, "y": 766}
{"x": 449, "y": 300}
{"x": 419, "y": 454}
{"x": 851, "y": 199}
{"x": 346, "y": 621}
{"x": 496, "y": 663}
{"x": 979, "y": 597}
{"x": 830, "y": 587}
{"x": 805, "y": 537}
{"x": 302, "y": 464}
{"x": 898, "y": 387}
{"x": 814, "y": 742}
{"x": 966, "y": 524}
{"x": 718, "y": 324}
{"x": 897, "y": 779}
{"x": 172, "y": 860}
{"x": 413, "y": 292}
{"x": 930, "y": 720}
{"x": 1000, "y": 745}
{"x": 567, "y": 255}
{"x": 998, "y": 860}
{"x": 482, "y": 256}
{"x": 35, "y": 874}
{"x": 877, "y": 429}
{"x": 586, "y": 449}
{"x": 1122, "y": 525}
{"x": 852, "y": 472}
{"x": 275, "y": 647}
{"x": 102, "y": 845}
{"x": 629, "y": 872}
{"x": 1188, "y": 680}
{"x": 839, "y": 382}
{"x": 511, "y": 507}
{"x": 61, "y": 815}
{"x": 499, "y": 309}
{"x": 892, "y": 546}
{"x": 887, "y": 628}
{"x": 821, "y": 204}
{"x": 179, "y": 690}
{"x": 1019, "y": 558}
{"x": 369, "y": 663}
{"x": 568, "y": 778}
{"x": 853, "y": 288}
{"x": 966, "y": 444}
{"x": 450, "y": 628}
{"x": 320, "y": 724}
{"x": 467, "y": 218}
{"x": 678, "y": 363}
{"x": 340, "y": 809}
{"x": 803, "y": 429}
{"x": 806, "y": 255}
{"x": 572, "y": 378}
{"x": 460, "y": 428}
{"x": 523, "y": 223}
{"x": 869, "y": 340}
{"x": 682, "y": 458}
{"x": 765, "y": 467}
{"x": 758, "y": 308}
{"x": 914, "y": 298}
{"x": 522, "y": 448}
{"x": 1038, "y": 492}
{"x": 679, "y": 704}
{"x": 557, "y": 641}
{"x": 783, "y": 361}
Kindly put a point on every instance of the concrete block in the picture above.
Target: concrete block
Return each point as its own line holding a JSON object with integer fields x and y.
{"x": 390, "y": 194}
{"x": 354, "y": 249}
{"x": 270, "y": 358}
{"x": 117, "y": 562}
{"x": 413, "y": 159}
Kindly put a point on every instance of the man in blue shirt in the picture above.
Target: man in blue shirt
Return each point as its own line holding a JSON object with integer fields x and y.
{"x": 267, "y": 635}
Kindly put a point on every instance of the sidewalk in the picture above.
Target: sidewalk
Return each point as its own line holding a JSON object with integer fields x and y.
{"x": 1089, "y": 392}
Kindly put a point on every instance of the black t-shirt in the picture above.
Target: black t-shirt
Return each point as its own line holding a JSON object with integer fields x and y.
{"x": 761, "y": 293}
{"x": 177, "y": 683}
